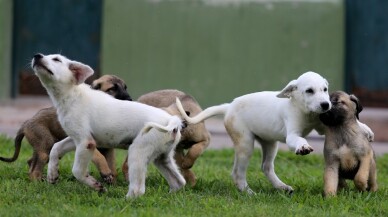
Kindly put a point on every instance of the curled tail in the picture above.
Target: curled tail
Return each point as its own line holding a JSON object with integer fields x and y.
{"x": 173, "y": 127}
{"x": 18, "y": 144}
{"x": 205, "y": 114}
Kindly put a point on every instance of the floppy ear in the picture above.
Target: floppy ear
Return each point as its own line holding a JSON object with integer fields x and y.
{"x": 358, "y": 104}
{"x": 80, "y": 71}
{"x": 287, "y": 91}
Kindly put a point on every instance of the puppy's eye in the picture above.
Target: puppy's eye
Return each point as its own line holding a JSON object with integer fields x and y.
{"x": 310, "y": 91}
{"x": 56, "y": 59}
{"x": 325, "y": 89}
{"x": 114, "y": 88}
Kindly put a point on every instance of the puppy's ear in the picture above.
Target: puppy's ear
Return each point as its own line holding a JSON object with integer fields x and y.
{"x": 80, "y": 71}
{"x": 287, "y": 91}
{"x": 358, "y": 105}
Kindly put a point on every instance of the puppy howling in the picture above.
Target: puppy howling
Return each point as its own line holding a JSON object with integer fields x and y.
{"x": 44, "y": 129}
{"x": 347, "y": 151}
{"x": 92, "y": 118}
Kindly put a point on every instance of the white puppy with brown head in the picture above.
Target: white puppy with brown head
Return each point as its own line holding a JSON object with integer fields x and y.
{"x": 271, "y": 116}
{"x": 92, "y": 118}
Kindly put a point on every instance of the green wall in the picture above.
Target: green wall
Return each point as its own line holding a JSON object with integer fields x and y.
{"x": 219, "y": 51}
{"x": 5, "y": 48}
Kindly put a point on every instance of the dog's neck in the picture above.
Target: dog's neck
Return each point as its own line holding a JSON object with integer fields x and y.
{"x": 62, "y": 95}
{"x": 344, "y": 125}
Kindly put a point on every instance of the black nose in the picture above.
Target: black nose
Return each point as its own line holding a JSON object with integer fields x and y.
{"x": 38, "y": 56}
{"x": 325, "y": 105}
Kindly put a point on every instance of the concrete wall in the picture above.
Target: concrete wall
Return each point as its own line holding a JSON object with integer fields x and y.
{"x": 217, "y": 50}
{"x": 5, "y": 48}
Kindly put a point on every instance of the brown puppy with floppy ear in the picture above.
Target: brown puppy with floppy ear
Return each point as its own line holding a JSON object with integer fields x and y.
{"x": 113, "y": 86}
{"x": 195, "y": 137}
{"x": 347, "y": 151}
{"x": 44, "y": 129}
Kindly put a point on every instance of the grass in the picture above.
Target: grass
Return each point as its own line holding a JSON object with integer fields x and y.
{"x": 214, "y": 194}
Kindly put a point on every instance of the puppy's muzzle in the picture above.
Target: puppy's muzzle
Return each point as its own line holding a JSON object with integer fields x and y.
{"x": 37, "y": 61}
{"x": 325, "y": 106}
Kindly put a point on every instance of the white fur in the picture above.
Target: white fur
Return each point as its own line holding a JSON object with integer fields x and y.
{"x": 268, "y": 117}
{"x": 91, "y": 117}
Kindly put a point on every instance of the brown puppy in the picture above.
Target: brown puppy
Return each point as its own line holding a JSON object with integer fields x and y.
{"x": 347, "y": 151}
{"x": 195, "y": 138}
{"x": 44, "y": 129}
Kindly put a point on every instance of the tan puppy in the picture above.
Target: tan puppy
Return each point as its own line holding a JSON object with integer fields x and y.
{"x": 44, "y": 129}
{"x": 195, "y": 138}
{"x": 348, "y": 153}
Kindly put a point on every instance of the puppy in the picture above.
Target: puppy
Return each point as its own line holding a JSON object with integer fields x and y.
{"x": 44, "y": 129}
{"x": 347, "y": 151}
{"x": 93, "y": 119}
{"x": 271, "y": 116}
{"x": 195, "y": 138}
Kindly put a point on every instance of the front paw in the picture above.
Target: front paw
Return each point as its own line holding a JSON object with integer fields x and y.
{"x": 108, "y": 178}
{"x": 304, "y": 149}
{"x": 52, "y": 177}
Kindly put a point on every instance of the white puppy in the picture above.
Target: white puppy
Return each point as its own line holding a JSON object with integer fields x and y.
{"x": 92, "y": 118}
{"x": 268, "y": 117}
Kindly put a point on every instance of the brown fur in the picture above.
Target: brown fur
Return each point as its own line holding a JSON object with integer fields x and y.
{"x": 347, "y": 151}
{"x": 195, "y": 138}
{"x": 43, "y": 130}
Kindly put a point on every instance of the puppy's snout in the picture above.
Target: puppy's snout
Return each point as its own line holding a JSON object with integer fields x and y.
{"x": 325, "y": 106}
{"x": 38, "y": 56}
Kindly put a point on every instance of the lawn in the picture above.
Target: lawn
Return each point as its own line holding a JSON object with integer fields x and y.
{"x": 214, "y": 194}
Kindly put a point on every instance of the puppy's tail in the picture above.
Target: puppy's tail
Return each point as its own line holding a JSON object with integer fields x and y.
{"x": 173, "y": 127}
{"x": 205, "y": 114}
{"x": 18, "y": 144}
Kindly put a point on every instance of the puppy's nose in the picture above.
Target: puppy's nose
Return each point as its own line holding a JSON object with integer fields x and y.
{"x": 38, "y": 56}
{"x": 325, "y": 105}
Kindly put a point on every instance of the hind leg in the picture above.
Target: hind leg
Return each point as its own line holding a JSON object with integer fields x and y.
{"x": 138, "y": 160}
{"x": 124, "y": 169}
{"x": 38, "y": 164}
{"x": 186, "y": 172}
{"x": 243, "y": 146}
{"x": 100, "y": 160}
{"x": 167, "y": 167}
{"x": 269, "y": 150}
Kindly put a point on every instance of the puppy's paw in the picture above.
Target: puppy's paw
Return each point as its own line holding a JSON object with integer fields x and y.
{"x": 134, "y": 194}
{"x": 108, "y": 178}
{"x": 304, "y": 149}
{"x": 249, "y": 191}
{"x": 52, "y": 178}
{"x": 99, "y": 187}
{"x": 360, "y": 184}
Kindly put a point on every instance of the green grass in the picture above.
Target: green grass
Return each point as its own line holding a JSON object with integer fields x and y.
{"x": 214, "y": 194}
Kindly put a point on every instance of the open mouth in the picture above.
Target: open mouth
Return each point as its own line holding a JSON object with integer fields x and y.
{"x": 38, "y": 64}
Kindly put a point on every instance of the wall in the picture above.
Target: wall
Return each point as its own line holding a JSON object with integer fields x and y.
{"x": 219, "y": 51}
{"x": 5, "y": 48}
